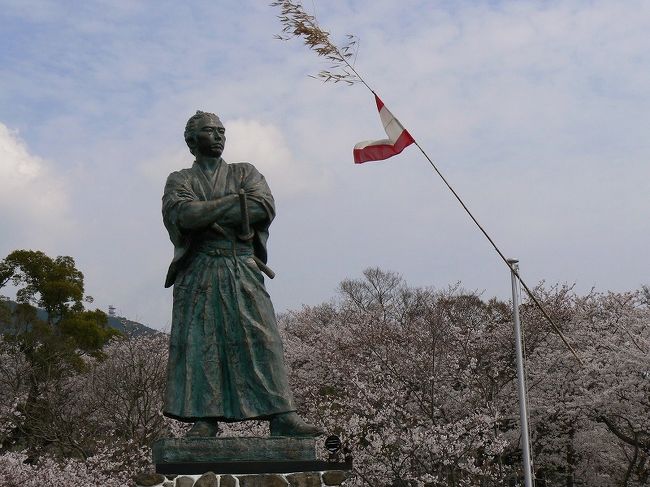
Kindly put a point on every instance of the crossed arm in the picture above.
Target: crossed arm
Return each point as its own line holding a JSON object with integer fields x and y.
{"x": 224, "y": 211}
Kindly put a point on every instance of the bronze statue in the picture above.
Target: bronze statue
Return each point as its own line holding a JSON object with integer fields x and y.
{"x": 226, "y": 360}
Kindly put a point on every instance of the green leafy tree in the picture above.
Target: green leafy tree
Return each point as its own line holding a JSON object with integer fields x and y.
{"x": 56, "y": 285}
{"x": 5, "y": 312}
{"x": 56, "y": 349}
{"x": 88, "y": 330}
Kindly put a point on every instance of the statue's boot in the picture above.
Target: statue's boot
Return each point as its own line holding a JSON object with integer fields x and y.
{"x": 204, "y": 428}
{"x": 290, "y": 424}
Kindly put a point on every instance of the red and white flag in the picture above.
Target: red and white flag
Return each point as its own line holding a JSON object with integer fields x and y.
{"x": 377, "y": 150}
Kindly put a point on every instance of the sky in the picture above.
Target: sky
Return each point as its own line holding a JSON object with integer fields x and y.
{"x": 537, "y": 112}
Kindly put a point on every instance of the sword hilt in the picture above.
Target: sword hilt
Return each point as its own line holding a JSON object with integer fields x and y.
{"x": 246, "y": 233}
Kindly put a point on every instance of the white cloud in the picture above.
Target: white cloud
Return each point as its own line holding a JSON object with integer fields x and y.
{"x": 33, "y": 199}
{"x": 156, "y": 169}
{"x": 265, "y": 146}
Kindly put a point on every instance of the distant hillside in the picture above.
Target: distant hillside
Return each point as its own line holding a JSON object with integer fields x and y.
{"x": 131, "y": 328}
{"x": 123, "y": 325}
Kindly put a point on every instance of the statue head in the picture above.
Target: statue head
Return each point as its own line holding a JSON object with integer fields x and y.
{"x": 197, "y": 131}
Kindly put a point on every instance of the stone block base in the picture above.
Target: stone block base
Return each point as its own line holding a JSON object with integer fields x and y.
{"x": 327, "y": 478}
{"x": 232, "y": 449}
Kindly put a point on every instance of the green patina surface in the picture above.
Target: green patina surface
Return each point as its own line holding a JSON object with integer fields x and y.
{"x": 225, "y": 360}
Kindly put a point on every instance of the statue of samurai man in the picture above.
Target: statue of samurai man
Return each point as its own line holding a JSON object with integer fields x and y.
{"x": 226, "y": 360}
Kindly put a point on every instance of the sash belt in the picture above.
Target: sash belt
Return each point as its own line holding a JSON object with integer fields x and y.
{"x": 224, "y": 248}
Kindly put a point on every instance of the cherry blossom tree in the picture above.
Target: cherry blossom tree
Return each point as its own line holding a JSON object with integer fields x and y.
{"x": 406, "y": 377}
{"x": 419, "y": 383}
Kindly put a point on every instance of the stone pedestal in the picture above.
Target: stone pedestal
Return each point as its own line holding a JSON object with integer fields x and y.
{"x": 328, "y": 478}
{"x": 187, "y": 451}
{"x": 242, "y": 462}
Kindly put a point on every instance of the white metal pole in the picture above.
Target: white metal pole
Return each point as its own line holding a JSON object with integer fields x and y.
{"x": 521, "y": 383}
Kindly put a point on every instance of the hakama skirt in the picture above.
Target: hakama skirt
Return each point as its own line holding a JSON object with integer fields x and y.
{"x": 226, "y": 360}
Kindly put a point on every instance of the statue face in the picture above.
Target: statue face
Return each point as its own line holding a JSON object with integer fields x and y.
{"x": 211, "y": 138}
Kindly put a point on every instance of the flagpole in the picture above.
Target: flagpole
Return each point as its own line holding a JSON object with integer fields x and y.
{"x": 521, "y": 381}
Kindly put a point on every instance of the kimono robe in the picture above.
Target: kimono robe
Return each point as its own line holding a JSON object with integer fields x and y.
{"x": 225, "y": 356}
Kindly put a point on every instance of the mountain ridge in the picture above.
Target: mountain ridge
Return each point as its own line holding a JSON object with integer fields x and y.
{"x": 120, "y": 323}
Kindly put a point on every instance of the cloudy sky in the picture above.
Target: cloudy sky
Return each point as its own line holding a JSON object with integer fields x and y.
{"x": 537, "y": 112}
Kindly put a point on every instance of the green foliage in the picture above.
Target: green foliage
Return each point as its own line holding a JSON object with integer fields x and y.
{"x": 55, "y": 285}
{"x": 88, "y": 330}
{"x": 20, "y": 319}
{"x": 5, "y": 313}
